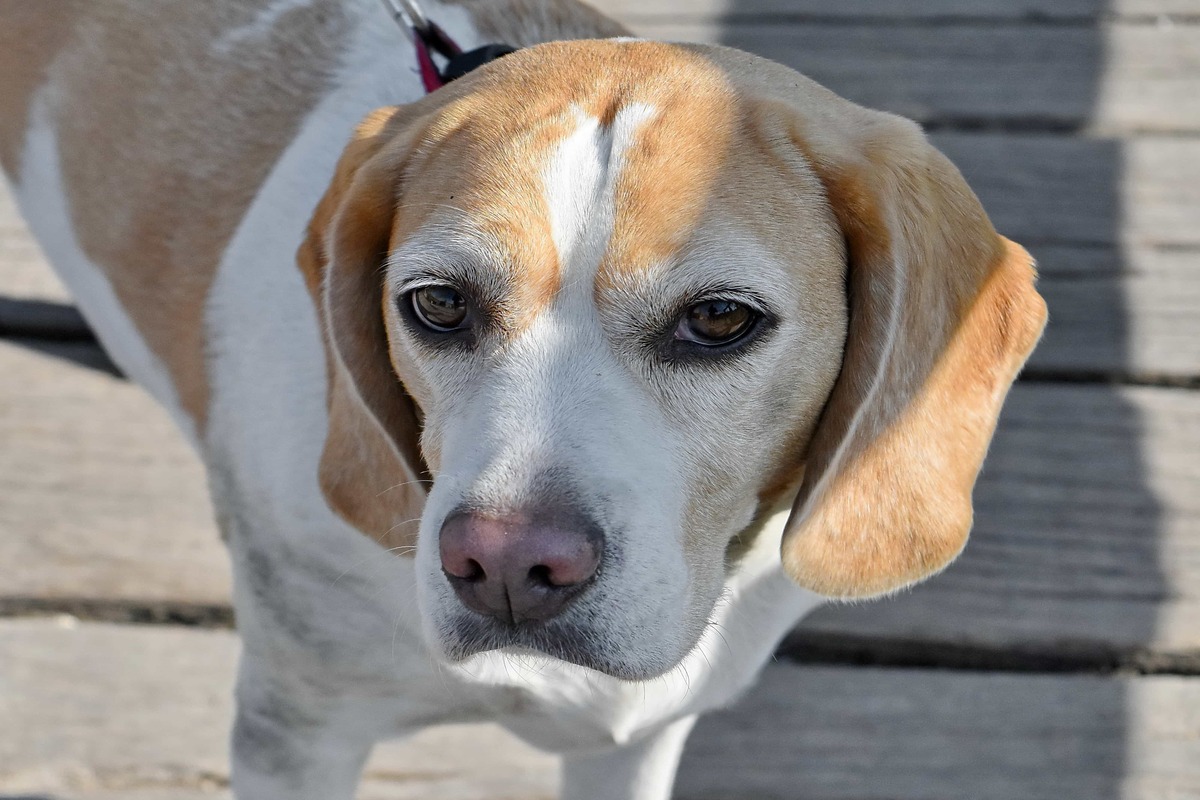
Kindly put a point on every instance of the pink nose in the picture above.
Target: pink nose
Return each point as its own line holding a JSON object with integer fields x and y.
{"x": 517, "y": 568}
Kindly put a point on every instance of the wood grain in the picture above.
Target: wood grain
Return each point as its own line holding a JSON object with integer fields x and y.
{"x": 867, "y": 734}
{"x": 139, "y": 712}
{"x": 110, "y": 709}
{"x": 1131, "y": 314}
{"x": 1043, "y": 189}
{"x": 1116, "y": 78}
{"x": 1085, "y": 535}
{"x": 1026, "y": 11}
{"x": 102, "y": 499}
{"x": 23, "y": 270}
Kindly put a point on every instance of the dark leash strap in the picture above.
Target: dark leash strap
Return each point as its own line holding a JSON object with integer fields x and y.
{"x": 430, "y": 40}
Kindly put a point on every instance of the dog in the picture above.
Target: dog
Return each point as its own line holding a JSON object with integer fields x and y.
{"x": 557, "y": 395}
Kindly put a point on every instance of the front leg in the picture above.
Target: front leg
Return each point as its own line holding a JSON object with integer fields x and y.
{"x": 292, "y": 743}
{"x": 644, "y": 770}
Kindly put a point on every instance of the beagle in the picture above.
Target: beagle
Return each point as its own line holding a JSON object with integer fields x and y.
{"x": 595, "y": 371}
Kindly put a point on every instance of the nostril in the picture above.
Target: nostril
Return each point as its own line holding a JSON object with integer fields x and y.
{"x": 540, "y": 575}
{"x": 474, "y": 572}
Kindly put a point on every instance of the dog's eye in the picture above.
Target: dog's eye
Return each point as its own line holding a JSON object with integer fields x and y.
{"x": 716, "y": 322}
{"x": 439, "y": 308}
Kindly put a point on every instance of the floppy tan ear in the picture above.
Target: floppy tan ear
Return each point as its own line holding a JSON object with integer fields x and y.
{"x": 943, "y": 313}
{"x": 371, "y": 471}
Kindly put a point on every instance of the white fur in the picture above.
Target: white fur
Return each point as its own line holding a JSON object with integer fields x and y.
{"x": 261, "y": 26}
{"x": 579, "y": 183}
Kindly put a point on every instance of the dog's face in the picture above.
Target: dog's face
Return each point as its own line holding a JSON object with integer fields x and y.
{"x": 606, "y": 332}
{"x": 611, "y": 278}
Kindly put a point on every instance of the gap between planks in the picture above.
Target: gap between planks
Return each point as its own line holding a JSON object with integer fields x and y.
{"x": 801, "y": 647}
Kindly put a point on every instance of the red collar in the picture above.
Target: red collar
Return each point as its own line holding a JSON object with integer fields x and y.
{"x": 432, "y": 39}
{"x": 428, "y": 38}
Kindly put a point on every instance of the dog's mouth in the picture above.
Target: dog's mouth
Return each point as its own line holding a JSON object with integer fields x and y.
{"x": 471, "y": 635}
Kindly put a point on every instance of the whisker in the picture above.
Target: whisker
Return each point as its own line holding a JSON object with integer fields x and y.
{"x": 716, "y": 626}
{"x": 405, "y": 483}
{"x": 402, "y": 549}
{"x": 398, "y": 524}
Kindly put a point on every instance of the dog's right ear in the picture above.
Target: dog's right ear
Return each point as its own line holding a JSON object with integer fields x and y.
{"x": 371, "y": 470}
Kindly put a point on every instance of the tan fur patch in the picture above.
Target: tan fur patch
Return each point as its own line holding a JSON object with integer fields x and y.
{"x": 678, "y": 163}
{"x": 371, "y": 471}
{"x": 944, "y": 314}
{"x": 32, "y": 33}
{"x": 167, "y": 130}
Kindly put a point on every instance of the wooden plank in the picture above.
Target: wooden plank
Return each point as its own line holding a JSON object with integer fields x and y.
{"x": 33, "y": 301}
{"x": 1133, "y": 314}
{"x": 1031, "y": 11}
{"x": 102, "y": 500}
{"x": 94, "y": 710}
{"x": 1043, "y": 189}
{"x": 24, "y": 274}
{"x": 1086, "y": 540}
{"x": 867, "y": 734}
{"x": 1112, "y": 224}
{"x": 1118, "y": 78}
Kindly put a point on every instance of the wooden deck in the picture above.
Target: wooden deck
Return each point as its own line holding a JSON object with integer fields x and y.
{"x": 1058, "y": 659}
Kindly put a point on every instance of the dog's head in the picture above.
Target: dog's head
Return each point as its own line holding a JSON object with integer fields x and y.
{"x": 617, "y": 299}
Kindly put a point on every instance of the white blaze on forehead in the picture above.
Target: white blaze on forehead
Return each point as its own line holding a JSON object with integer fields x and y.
{"x": 579, "y": 182}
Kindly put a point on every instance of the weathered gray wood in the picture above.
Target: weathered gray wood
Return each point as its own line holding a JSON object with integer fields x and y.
{"x": 95, "y": 711}
{"x": 866, "y": 734}
{"x": 92, "y": 711}
{"x": 1113, "y": 225}
{"x": 1042, "y": 189}
{"x": 1117, "y": 313}
{"x": 1087, "y": 533}
{"x": 23, "y": 271}
{"x": 99, "y": 496}
{"x": 1030, "y": 11}
{"x": 1117, "y": 78}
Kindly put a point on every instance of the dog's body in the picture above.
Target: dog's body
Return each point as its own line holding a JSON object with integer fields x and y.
{"x": 169, "y": 160}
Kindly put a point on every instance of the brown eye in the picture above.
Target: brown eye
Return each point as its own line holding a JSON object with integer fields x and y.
{"x": 716, "y": 322}
{"x": 440, "y": 308}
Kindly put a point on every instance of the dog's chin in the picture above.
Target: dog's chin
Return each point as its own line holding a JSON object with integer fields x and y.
{"x": 470, "y": 636}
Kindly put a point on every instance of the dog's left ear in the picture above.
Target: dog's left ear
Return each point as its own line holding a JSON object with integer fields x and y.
{"x": 943, "y": 313}
{"x": 371, "y": 469}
